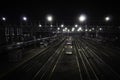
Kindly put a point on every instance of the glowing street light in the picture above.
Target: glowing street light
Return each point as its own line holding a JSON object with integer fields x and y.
{"x": 107, "y": 18}
{"x": 76, "y": 25}
{"x": 58, "y": 28}
{"x": 73, "y": 29}
{"x": 82, "y": 18}
{"x": 79, "y": 29}
{"x": 65, "y": 28}
{"x": 90, "y": 30}
{"x": 49, "y": 18}
{"x": 40, "y": 25}
{"x": 68, "y": 30}
{"x": 3, "y": 18}
{"x": 100, "y": 29}
{"x": 93, "y": 28}
{"x": 51, "y": 25}
{"x": 24, "y": 18}
{"x": 62, "y": 25}
{"x": 86, "y": 30}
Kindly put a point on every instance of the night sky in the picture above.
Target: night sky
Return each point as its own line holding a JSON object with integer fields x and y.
{"x": 63, "y": 11}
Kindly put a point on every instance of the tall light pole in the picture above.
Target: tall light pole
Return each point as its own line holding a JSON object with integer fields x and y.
{"x": 82, "y": 18}
{"x": 107, "y": 20}
{"x": 49, "y": 19}
{"x": 5, "y": 29}
{"x": 24, "y": 19}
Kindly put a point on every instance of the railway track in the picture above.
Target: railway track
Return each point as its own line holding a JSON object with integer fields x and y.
{"x": 111, "y": 60}
{"x": 86, "y": 62}
{"x": 30, "y": 69}
{"x": 67, "y": 66}
{"x": 98, "y": 69}
{"x": 88, "y": 72}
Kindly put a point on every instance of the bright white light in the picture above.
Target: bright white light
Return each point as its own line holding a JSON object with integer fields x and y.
{"x": 82, "y": 18}
{"x": 40, "y": 25}
{"x": 86, "y": 30}
{"x": 107, "y": 18}
{"x": 90, "y": 30}
{"x": 73, "y": 29}
{"x": 68, "y": 30}
{"x": 58, "y": 28}
{"x": 3, "y": 18}
{"x": 24, "y": 18}
{"x": 79, "y": 29}
{"x": 62, "y": 25}
{"x": 100, "y": 29}
{"x": 18, "y": 43}
{"x": 93, "y": 28}
{"x": 76, "y": 25}
{"x": 65, "y": 28}
{"x": 51, "y": 25}
{"x": 49, "y": 18}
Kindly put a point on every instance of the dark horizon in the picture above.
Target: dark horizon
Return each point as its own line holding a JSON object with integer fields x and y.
{"x": 63, "y": 12}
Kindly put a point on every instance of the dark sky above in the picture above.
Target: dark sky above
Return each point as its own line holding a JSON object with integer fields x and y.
{"x": 62, "y": 10}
